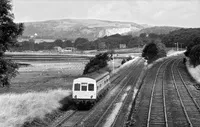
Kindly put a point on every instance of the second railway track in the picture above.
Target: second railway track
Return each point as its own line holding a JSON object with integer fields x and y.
{"x": 189, "y": 105}
{"x": 76, "y": 118}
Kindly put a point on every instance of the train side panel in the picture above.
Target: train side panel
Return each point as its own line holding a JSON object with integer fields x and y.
{"x": 102, "y": 85}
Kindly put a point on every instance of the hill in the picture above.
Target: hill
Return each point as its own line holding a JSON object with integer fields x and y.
{"x": 156, "y": 30}
{"x": 74, "y": 28}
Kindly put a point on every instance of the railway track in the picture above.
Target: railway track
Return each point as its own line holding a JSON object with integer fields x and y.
{"x": 76, "y": 118}
{"x": 189, "y": 106}
{"x": 123, "y": 91}
{"x": 157, "y": 113}
{"x": 150, "y": 108}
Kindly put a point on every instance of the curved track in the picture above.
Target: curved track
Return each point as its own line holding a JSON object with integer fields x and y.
{"x": 189, "y": 105}
{"x": 77, "y": 118}
{"x": 157, "y": 114}
{"x": 149, "y": 108}
{"x": 166, "y": 98}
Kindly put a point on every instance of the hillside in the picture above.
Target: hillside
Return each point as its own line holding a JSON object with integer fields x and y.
{"x": 156, "y": 30}
{"x": 74, "y": 28}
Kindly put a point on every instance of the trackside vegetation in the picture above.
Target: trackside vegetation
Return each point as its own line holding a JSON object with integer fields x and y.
{"x": 193, "y": 52}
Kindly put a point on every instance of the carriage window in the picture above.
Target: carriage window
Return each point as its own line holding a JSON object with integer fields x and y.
{"x": 91, "y": 87}
{"x": 84, "y": 88}
{"x": 77, "y": 87}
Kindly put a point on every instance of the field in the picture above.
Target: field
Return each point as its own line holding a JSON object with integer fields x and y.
{"x": 42, "y": 75}
{"x": 41, "y": 88}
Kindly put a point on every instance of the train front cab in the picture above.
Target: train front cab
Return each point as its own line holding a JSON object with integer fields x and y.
{"x": 84, "y": 90}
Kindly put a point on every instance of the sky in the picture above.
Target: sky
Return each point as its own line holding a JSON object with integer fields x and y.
{"x": 182, "y": 13}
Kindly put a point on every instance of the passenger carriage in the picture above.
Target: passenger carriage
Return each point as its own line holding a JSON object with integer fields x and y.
{"x": 89, "y": 88}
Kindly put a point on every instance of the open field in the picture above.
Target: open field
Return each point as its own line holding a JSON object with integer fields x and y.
{"x": 43, "y": 75}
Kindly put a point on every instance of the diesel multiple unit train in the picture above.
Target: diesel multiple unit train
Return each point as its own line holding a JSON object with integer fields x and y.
{"x": 89, "y": 88}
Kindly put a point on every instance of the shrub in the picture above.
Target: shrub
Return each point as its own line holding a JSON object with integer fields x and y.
{"x": 129, "y": 58}
{"x": 195, "y": 41}
{"x": 153, "y": 51}
{"x": 149, "y": 51}
{"x": 123, "y": 61}
{"x": 194, "y": 55}
{"x": 96, "y": 63}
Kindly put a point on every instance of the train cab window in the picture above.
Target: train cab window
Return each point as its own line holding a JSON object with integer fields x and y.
{"x": 91, "y": 87}
{"x": 77, "y": 87}
{"x": 84, "y": 88}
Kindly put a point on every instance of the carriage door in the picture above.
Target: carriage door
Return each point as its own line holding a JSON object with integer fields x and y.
{"x": 84, "y": 91}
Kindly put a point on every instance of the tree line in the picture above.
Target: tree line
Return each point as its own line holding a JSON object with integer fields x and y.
{"x": 182, "y": 36}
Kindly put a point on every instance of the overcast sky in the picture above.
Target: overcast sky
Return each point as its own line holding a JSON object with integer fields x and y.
{"x": 184, "y": 13}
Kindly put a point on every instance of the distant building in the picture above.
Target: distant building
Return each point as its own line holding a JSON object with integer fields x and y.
{"x": 66, "y": 49}
{"x": 122, "y": 46}
{"x": 58, "y": 49}
{"x": 70, "y": 49}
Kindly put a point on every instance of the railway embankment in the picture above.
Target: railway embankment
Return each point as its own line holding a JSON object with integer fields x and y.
{"x": 194, "y": 72}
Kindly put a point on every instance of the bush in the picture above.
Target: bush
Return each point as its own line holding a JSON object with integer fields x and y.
{"x": 150, "y": 51}
{"x": 153, "y": 51}
{"x": 129, "y": 58}
{"x": 194, "y": 55}
{"x": 96, "y": 63}
{"x": 195, "y": 41}
{"x": 123, "y": 61}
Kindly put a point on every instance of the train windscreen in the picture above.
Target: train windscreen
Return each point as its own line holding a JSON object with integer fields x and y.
{"x": 77, "y": 87}
{"x": 91, "y": 87}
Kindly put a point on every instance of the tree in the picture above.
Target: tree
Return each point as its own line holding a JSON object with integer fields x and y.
{"x": 79, "y": 42}
{"x": 154, "y": 50}
{"x": 96, "y": 63}
{"x": 194, "y": 55}
{"x": 196, "y": 41}
{"x": 9, "y": 31}
{"x": 143, "y": 35}
{"x": 150, "y": 51}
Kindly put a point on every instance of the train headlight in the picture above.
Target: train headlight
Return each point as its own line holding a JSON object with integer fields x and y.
{"x": 91, "y": 96}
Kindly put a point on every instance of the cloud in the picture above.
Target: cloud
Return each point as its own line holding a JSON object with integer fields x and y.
{"x": 153, "y": 12}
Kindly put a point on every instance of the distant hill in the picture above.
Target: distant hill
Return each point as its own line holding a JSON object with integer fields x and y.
{"x": 74, "y": 28}
{"x": 156, "y": 30}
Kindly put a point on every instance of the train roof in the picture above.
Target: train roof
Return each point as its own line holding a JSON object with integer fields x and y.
{"x": 97, "y": 74}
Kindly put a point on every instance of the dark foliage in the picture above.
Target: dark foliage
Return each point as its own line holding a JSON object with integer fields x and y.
{"x": 194, "y": 55}
{"x": 96, "y": 63}
{"x": 123, "y": 61}
{"x": 194, "y": 42}
{"x": 30, "y": 45}
{"x": 9, "y": 31}
{"x": 129, "y": 58}
{"x": 126, "y": 59}
{"x": 150, "y": 51}
{"x": 153, "y": 51}
{"x": 183, "y": 36}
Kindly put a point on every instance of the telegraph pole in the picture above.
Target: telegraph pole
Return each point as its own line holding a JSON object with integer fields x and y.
{"x": 113, "y": 63}
{"x": 177, "y": 46}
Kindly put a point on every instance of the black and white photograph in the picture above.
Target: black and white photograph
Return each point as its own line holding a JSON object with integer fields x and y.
{"x": 99, "y": 63}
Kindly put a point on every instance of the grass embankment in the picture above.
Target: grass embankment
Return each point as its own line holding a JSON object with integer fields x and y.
{"x": 17, "y": 109}
{"x": 194, "y": 72}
